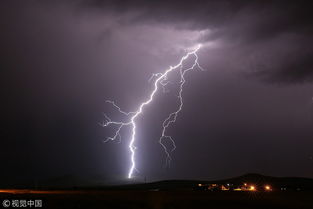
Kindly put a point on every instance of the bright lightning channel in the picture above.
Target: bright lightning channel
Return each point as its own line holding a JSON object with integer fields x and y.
{"x": 161, "y": 78}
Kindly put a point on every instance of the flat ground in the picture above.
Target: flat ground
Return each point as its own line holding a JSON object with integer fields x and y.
{"x": 163, "y": 199}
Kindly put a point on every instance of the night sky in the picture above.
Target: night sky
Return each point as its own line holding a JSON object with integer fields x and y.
{"x": 251, "y": 111}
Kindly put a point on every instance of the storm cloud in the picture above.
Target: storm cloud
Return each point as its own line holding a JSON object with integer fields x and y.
{"x": 60, "y": 61}
{"x": 274, "y": 35}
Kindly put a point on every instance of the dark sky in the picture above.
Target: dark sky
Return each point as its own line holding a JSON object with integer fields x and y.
{"x": 250, "y": 111}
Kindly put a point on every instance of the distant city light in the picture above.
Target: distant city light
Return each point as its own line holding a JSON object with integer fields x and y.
{"x": 235, "y": 187}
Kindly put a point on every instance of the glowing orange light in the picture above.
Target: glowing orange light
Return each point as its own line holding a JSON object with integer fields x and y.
{"x": 224, "y": 188}
{"x": 252, "y": 188}
{"x": 267, "y": 187}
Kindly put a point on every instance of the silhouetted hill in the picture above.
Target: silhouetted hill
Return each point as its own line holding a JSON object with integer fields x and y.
{"x": 290, "y": 182}
{"x": 98, "y": 182}
{"x": 255, "y": 179}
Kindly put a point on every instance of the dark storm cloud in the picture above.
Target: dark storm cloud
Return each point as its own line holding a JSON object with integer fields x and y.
{"x": 247, "y": 26}
{"x": 61, "y": 60}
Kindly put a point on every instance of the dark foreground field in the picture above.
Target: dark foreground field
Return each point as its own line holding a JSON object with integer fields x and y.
{"x": 166, "y": 199}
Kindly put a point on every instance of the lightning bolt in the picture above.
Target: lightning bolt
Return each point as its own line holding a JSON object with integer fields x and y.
{"x": 160, "y": 79}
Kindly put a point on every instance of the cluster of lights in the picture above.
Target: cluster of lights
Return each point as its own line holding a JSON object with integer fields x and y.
{"x": 253, "y": 188}
{"x": 244, "y": 187}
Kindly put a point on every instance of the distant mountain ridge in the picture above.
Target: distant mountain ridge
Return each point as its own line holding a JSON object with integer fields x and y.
{"x": 98, "y": 182}
{"x": 255, "y": 179}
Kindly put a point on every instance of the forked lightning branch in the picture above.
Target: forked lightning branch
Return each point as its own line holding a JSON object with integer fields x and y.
{"x": 160, "y": 80}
